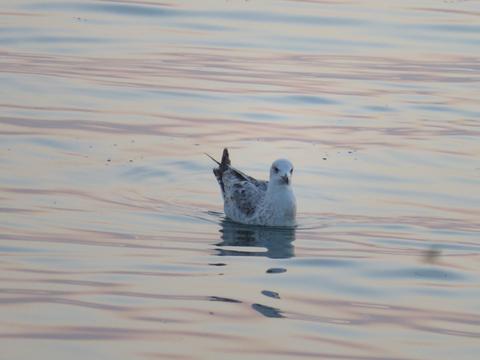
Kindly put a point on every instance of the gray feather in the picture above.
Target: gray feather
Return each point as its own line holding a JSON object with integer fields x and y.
{"x": 241, "y": 192}
{"x": 244, "y": 193}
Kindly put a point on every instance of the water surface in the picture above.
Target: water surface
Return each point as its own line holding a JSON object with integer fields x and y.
{"x": 113, "y": 242}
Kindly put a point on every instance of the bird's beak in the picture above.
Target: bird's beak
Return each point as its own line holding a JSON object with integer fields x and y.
{"x": 285, "y": 179}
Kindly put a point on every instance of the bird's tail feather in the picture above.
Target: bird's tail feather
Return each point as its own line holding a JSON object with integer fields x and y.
{"x": 225, "y": 159}
{"x": 222, "y": 167}
{"x": 225, "y": 165}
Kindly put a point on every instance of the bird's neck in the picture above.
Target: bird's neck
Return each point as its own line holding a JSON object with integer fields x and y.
{"x": 280, "y": 194}
{"x": 278, "y": 188}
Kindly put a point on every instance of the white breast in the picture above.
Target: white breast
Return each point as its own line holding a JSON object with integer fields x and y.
{"x": 279, "y": 208}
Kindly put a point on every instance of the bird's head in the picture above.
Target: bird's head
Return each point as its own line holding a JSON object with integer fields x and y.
{"x": 281, "y": 172}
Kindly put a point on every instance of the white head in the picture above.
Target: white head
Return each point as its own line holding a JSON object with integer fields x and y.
{"x": 281, "y": 172}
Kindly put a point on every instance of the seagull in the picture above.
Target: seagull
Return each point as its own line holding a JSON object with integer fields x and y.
{"x": 257, "y": 202}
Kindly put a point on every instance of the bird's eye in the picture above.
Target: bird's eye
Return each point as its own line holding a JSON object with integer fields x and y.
{"x": 275, "y": 169}
{"x": 291, "y": 171}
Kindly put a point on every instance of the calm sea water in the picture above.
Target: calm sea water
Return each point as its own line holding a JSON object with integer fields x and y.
{"x": 113, "y": 243}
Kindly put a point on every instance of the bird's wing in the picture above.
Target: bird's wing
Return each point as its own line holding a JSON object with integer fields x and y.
{"x": 242, "y": 191}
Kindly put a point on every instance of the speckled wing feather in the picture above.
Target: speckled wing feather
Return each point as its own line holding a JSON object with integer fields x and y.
{"x": 242, "y": 193}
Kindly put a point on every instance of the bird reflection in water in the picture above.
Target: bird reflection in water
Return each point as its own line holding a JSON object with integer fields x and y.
{"x": 276, "y": 241}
